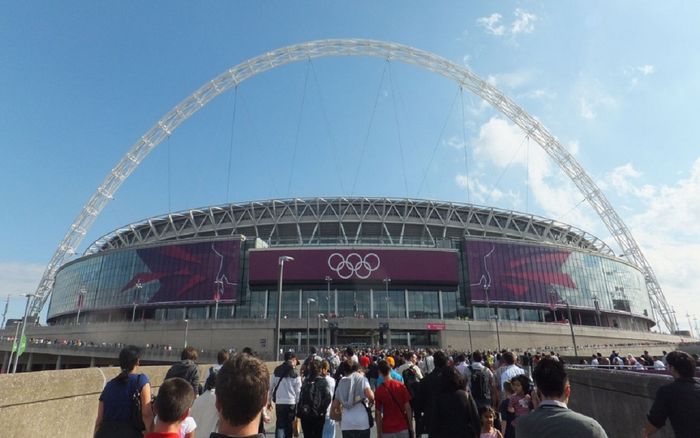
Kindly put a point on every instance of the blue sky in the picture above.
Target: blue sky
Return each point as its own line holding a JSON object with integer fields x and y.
{"x": 82, "y": 81}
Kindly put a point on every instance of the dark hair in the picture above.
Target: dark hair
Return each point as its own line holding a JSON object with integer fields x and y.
{"x": 189, "y": 353}
{"x": 477, "y": 357}
{"x": 461, "y": 357}
{"x": 524, "y": 382}
{"x": 312, "y": 350}
{"x": 248, "y": 350}
{"x": 349, "y": 352}
{"x": 509, "y": 358}
{"x": 452, "y": 380}
{"x": 384, "y": 367}
{"x": 242, "y": 384}
{"x": 681, "y": 362}
{"x": 128, "y": 359}
{"x": 313, "y": 368}
{"x": 175, "y": 397}
{"x": 550, "y": 377}
{"x": 289, "y": 355}
{"x": 486, "y": 409}
{"x": 439, "y": 359}
{"x": 507, "y": 387}
{"x": 408, "y": 355}
{"x": 222, "y": 356}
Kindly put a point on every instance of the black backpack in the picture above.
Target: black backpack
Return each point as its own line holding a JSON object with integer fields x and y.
{"x": 211, "y": 379}
{"x": 410, "y": 379}
{"x": 314, "y": 399}
{"x": 478, "y": 384}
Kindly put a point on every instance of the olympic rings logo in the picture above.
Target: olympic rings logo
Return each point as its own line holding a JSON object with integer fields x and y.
{"x": 353, "y": 264}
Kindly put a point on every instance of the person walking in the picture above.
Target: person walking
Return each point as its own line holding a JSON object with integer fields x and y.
{"x": 314, "y": 401}
{"x": 114, "y": 411}
{"x": 456, "y": 414}
{"x": 552, "y": 418}
{"x": 355, "y": 396}
{"x": 392, "y": 406}
{"x": 284, "y": 393}
{"x": 678, "y": 401}
{"x": 187, "y": 369}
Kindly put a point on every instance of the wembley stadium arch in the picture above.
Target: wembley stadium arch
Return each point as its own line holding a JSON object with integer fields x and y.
{"x": 354, "y": 47}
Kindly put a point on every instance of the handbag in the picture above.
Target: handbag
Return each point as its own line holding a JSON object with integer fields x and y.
{"x": 336, "y": 410}
{"x": 370, "y": 417}
{"x": 137, "y": 406}
{"x": 296, "y": 427}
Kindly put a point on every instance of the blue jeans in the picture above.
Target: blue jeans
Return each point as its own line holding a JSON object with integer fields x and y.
{"x": 285, "y": 417}
{"x": 329, "y": 428}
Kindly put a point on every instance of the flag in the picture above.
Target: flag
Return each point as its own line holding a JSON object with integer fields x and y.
{"x": 14, "y": 346}
{"x": 22, "y": 346}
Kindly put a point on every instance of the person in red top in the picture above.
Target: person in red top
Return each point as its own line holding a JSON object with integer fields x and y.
{"x": 172, "y": 406}
{"x": 392, "y": 408}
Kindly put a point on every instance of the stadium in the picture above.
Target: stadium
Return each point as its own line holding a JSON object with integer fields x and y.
{"x": 362, "y": 271}
{"x": 366, "y": 267}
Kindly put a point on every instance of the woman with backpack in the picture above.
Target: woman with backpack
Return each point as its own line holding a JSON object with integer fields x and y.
{"x": 314, "y": 400}
{"x": 124, "y": 410}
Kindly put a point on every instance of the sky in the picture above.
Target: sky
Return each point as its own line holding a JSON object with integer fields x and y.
{"x": 80, "y": 82}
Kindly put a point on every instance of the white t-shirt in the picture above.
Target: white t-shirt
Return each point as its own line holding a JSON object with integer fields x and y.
{"x": 331, "y": 388}
{"x": 205, "y": 414}
{"x": 355, "y": 418}
{"x": 187, "y": 426}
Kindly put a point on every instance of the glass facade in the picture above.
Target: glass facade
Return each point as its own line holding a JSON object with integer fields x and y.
{"x": 522, "y": 282}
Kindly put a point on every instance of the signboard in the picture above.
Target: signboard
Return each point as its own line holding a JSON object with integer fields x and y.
{"x": 354, "y": 265}
{"x": 435, "y": 326}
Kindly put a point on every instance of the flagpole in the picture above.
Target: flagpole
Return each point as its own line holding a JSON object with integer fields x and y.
{"x": 24, "y": 325}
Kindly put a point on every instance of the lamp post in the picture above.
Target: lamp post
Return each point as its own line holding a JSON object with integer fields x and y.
{"x": 217, "y": 297}
{"x": 327, "y": 335}
{"x": 571, "y": 326}
{"x": 498, "y": 329}
{"x": 81, "y": 299}
{"x": 318, "y": 333}
{"x": 386, "y": 281}
{"x": 308, "y": 326}
{"x": 328, "y": 296}
{"x": 596, "y": 304}
{"x": 187, "y": 327}
{"x": 471, "y": 347}
{"x": 4, "y": 314}
{"x": 24, "y": 325}
{"x": 690, "y": 325}
{"x": 281, "y": 261}
{"x": 9, "y": 362}
{"x": 137, "y": 293}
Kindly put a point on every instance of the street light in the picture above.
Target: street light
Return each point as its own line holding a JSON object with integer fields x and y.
{"x": 281, "y": 261}
{"x": 318, "y": 320}
{"x": 690, "y": 325}
{"x": 308, "y": 327}
{"x": 571, "y": 326}
{"x": 81, "y": 299}
{"x": 217, "y": 297}
{"x": 596, "y": 304}
{"x": 187, "y": 327}
{"x": 386, "y": 281}
{"x": 137, "y": 294}
{"x": 24, "y": 324}
{"x": 328, "y": 296}
{"x": 498, "y": 329}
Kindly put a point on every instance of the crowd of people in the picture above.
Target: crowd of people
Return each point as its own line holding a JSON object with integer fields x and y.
{"x": 402, "y": 393}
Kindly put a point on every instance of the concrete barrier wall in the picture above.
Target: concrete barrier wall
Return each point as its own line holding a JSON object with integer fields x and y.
{"x": 619, "y": 400}
{"x": 59, "y": 403}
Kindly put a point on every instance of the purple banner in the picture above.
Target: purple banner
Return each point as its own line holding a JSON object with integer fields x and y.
{"x": 511, "y": 272}
{"x": 191, "y": 272}
{"x": 366, "y": 265}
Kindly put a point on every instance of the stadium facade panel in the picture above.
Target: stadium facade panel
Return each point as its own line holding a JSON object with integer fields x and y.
{"x": 353, "y": 258}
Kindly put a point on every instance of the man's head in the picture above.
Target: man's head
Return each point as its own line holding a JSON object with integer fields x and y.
{"x": 682, "y": 363}
{"x": 312, "y": 350}
{"x": 509, "y": 358}
{"x": 349, "y": 353}
{"x": 222, "y": 356}
{"x": 189, "y": 353}
{"x": 551, "y": 379}
{"x": 477, "y": 357}
{"x": 439, "y": 359}
{"x": 289, "y": 356}
{"x": 241, "y": 389}
{"x": 175, "y": 397}
{"x": 384, "y": 368}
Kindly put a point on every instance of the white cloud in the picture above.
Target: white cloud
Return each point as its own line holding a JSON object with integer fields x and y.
{"x": 492, "y": 24}
{"x": 455, "y": 142}
{"x": 667, "y": 230}
{"x": 524, "y": 22}
{"x": 19, "y": 278}
{"x": 647, "y": 69}
{"x": 586, "y": 110}
{"x": 511, "y": 80}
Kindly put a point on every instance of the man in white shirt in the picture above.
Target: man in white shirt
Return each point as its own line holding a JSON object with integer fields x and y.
{"x": 285, "y": 389}
{"x": 510, "y": 370}
{"x": 658, "y": 364}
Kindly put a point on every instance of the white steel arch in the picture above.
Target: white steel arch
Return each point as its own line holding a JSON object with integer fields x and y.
{"x": 352, "y": 47}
